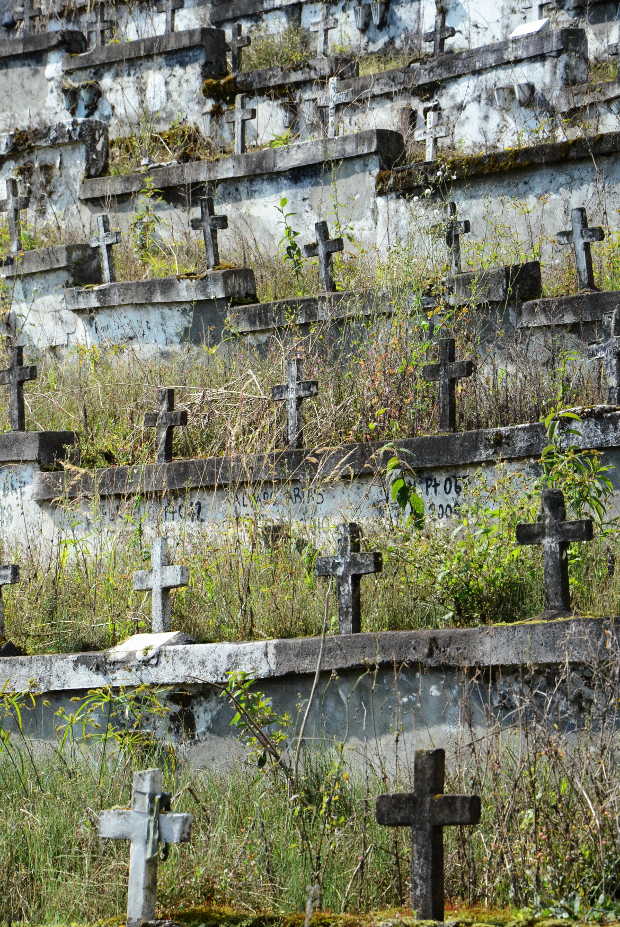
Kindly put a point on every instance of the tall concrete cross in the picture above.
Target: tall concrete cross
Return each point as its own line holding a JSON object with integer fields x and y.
{"x": 323, "y": 27}
{"x": 427, "y": 811}
{"x": 554, "y": 533}
{"x": 238, "y": 41}
{"x": 238, "y": 118}
{"x": 170, "y": 7}
{"x": 147, "y": 824}
{"x": 104, "y": 243}
{"x": 293, "y": 393}
{"x": 580, "y": 237}
{"x": 432, "y": 131}
{"x": 99, "y": 26}
{"x": 323, "y": 248}
{"x": 609, "y": 350}
{"x": 165, "y": 421}
{"x": 447, "y": 372}
{"x": 209, "y": 224}
{"x": 454, "y": 230}
{"x": 9, "y": 575}
{"x": 14, "y": 377}
{"x": 160, "y": 579}
{"x": 12, "y": 205}
{"x": 440, "y": 32}
{"x": 347, "y": 567}
{"x": 25, "y": 13}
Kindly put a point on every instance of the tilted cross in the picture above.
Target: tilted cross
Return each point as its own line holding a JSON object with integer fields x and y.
{"x": 323, "y": 27}
{"x": 14, "y": 377}
{"x": 348, "y": 566}
{"x": 12, "y": 205}
{"x": 147, "y": 824}
{"x": 170, "y": 7}
{"x": 9, "y": 575}
{"x": 293, "y": 393}
{"x": 447, "y": 372}
{"x": 209, "y": 224}
{"x": 238, "y": 117}
{"x": 440, "y": 32}
{"x": 580, "y": 237}
{"x": 454, "y": 230}
{"x": 238, "y": 41}
{"x": 323, "y": 248}
{"x": 160, "y": 579}
{"x": 431, "y": 133}
{"x": 427, "y": 811}
{"x": 25, "y": 13}
{"x": 104, "y": 243}
{"x": 99, "y": 26}
{"x": 554, "y": 533}
{"x": 609, "y": 350}
{"x": 165, "y": 421}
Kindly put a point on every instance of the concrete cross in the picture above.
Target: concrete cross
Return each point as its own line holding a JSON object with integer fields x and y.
{"x": 609, "y": 350}
{"x": 15, "y": 377}
{"x": 454, "y": 230}
{"x": 323, "y": 27}
{"x": 323, "y": 248}
{"x": 25, "y": 13}
{"x": 147, "y": 824}
{"x": 293, "y": 393}
{"x": 447, "y": 372}
{"x": 379, "y": 11}
{"x": 238, "y": 41}
{"x": 580, "y": 237}
{"x": 98, "y": 26}
{"x": 238, "y": 117}
{"x": 165, "y": 421}
{"x": 9, "y": 575}
{"x": 162, "y": 577}
{"x": 427, "y": 811}
{"x": 12, "y": 205}
{"x": 348, "y": 566}
{"x": 554, "y": 533}
{"x": 335, "y": 98}
{"x": 209, "y": 224}
{"x": 431, "y": 133}
{"x": 170, "y": 7}
{"x": 104, "y": 243}
{"x": 440, "y": 32}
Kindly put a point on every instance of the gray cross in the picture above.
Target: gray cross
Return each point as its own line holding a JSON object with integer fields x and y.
{"x": 554, "y": 533}
{"x": 147, "y": 824}
{"x": 15, "y": 377}
{"x": 323, "y": 248}
{"x": 580, "y": 237}
{"x": 454, "y": 230}
{"x": 169, "y": 7}
{"x": 162, "y": 577}
{"x": 440, "y": 32}
{"x": 427, "y": 811}
{"x": 348, "y": 566}
{"x": 293, "y": 393}
{"x": 25, "y": 13}
{"x": 609, "y": 350}
{"x": 104, "y": 243}
{"x": 431, "y": 133}
{"x": 12, "y": 205}
{"x": 9, "y": 575}
{"x": 323, "y": 27}
{"x": 447, "y": 372}
{"x": 99, "y": 26}
{"x": 238, "y": 117}
{"x": 209, "y": 223}
{"x": 238, "y": 41}
{"x": 165, "y": 421}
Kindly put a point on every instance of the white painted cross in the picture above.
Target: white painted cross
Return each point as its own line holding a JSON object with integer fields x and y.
{"x": 323, "y": 27}
{"x": 159, "y": 580}
{"x": 431, "y": 133}
{"x": 147, "y": 824}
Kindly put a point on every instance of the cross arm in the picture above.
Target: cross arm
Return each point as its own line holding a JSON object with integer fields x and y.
{"x": 530, "y": 534}
{"x": 170, "y": 419}
{"x": 455, "y": 809}
{"x": 564, "y": 238}
{"x": 397, "y": 810}
{"x": 336, "y": 244}
{"x": 175, "y": 576}
{"x": 366, "y": 563}
{"x": 119, "y": 824}
{"x": 175, "y": 828}
{"x": 595, "y": 234}
{"x": 9, "y": 575}
{"x": 577, "y": 531}
{"x": 311, "y": 250}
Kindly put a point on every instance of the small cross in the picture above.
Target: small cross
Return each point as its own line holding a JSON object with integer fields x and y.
{"x": 238, "y": 117}
{"x": 431, "y": 133}
{"x": 15, "y": 377}
{"x": 348, "y": 566}
{"x": 9, "y": 575}
{"x": 323, "y": 27}
{"x": 555, "y": 534}
{"x": 104, "y": 243}
{"x": 454, "y": 231}
{"x": 147, "y": 824}
{"x": 323, "y": 248}
{"x": 427, "y": 811}
{"x": 440, "y": 32}
{"x": 169, "y": 7}
{"x": 165, "y": 421}
{"x": 580, "y": 237}
{"x": 447, "y": 371}
{"x": 293, "y": 393}
{"x": 209, "y": 223}
{"x": 161, "y": 578}
{"x": 12, "y": 205}
{"x": 99, "y": 26}
{"x": 25, "y": 13}
{"x": 238, "y": 41}
{"x": 609, "y": 350}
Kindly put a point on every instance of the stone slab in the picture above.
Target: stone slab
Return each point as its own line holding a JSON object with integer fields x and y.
{"x": 583, "y": 308}
{"x": 213, "y": 41}
{"x": 513, "y": 284}
{"x": 317, "y": 69}
{"x": 69, "y": 40}
{"x": 308, "y": 310}
{"x": 81, "y": 259}
{"x": 44, "y": 448}
{"x": 236, "y": 285}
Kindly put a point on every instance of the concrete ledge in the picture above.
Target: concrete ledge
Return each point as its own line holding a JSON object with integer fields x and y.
{"x": 42, "y": 447}
{"x": 220, "y": 284}
{"x": 318, "y": 69}
{"x": 223, "y": 11}
{"x": 327, "y": 307}
{"x": 512, "y": 284}
{"x": 70, "y": 40}
{"x": 213, "y": 41}
{"x": 91, "y": 133}
{"x": 44, "y": 260}
{"x": 568, "y": 310}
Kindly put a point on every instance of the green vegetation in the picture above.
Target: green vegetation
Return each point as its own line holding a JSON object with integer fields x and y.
{"x": 291, "y": 48}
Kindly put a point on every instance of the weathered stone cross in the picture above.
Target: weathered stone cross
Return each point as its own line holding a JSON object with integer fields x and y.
{"x": 431, "y": 133}
{"x": 9, "y": 575}
{"x": 609, "y": 350}
{"x": 554, "y": 533}
{"x": 323, "y": 27}
{"x": 348, "y": 566}
{"x": 454, "y": 230}
{"x": 160, "y": 579}
{"x": 165, "y": 421}
{"x": 209, "y": 224}
{"x": 440, "y": 32}
{"x": 147, "y": 824}
{"x": 447, "y": 372}
{"x": 238, "y": 41}
{"x": 25, "y": 13}
{"x": 12, "y": 205}
{"x": 170, "y": 7}
{"x": 15, "y": 377}
{"x": 427, "y": 811}
{"x": 104, "y": 243}
{"x": 335, "y": 98}
{"x": 323, "y": 248}
{"x": 580, "y": 237}
{"x": 98, "y": 26}
{"x": 238, "y": 118}
{"x": 293, "y": 393}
